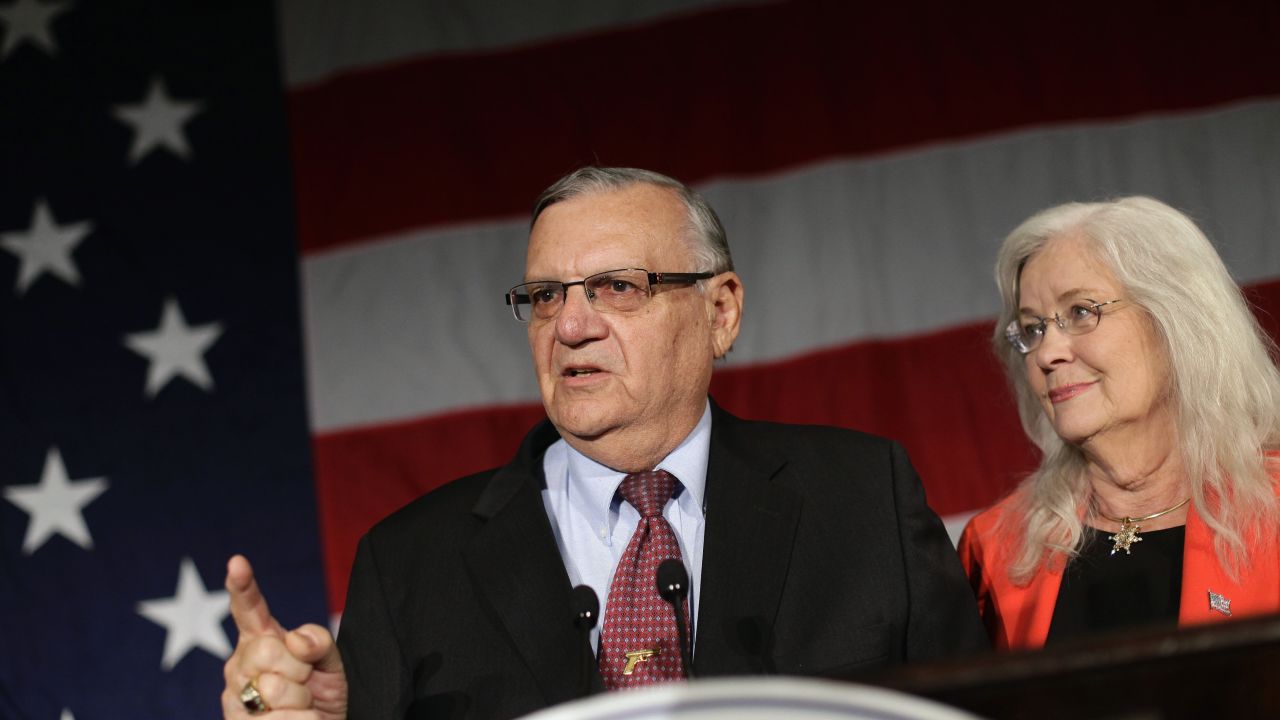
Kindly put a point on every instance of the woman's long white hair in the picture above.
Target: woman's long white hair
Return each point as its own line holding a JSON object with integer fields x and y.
{"x": 1225, "y": 385}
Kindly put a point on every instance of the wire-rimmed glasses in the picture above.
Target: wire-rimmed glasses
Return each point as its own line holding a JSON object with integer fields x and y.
{"x": 1079, "y": 319}
{"x": 613, "y": 291}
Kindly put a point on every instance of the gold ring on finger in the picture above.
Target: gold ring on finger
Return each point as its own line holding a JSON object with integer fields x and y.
{"x": 252, "y": 699}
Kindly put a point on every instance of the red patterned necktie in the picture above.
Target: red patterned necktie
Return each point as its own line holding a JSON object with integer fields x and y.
{"x": 638, "y": 645}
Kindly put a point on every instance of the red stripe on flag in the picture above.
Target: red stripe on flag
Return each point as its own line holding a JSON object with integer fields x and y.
{"x": 747, "y": 90}
{"x": 364, "y": 475}
{"x": 1264, "y": 298}
{"x": 942, "y": 395}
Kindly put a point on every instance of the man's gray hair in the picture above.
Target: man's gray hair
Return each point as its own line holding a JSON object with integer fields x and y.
{"x": 708, "y": 243}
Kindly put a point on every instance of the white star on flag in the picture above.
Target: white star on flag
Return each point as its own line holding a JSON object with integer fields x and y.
{"x": 27, "y": 21}
{"x": 157, "y": 122}
{"x": 192, "y": 618}
{"x": 174, "y": 349}
{"x": 55, "y": 504}
{"x": 45, "y": 247}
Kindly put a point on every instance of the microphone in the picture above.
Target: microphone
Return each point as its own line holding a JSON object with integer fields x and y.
{"x": 586, "y": 613}
{"x": 673, "y": 586}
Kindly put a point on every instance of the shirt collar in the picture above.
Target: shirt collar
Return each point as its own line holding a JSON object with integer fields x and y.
{"x": 597, "y": 484}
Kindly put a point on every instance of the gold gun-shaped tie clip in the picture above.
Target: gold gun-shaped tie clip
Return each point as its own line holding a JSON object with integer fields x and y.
{"x": 635, "y": 657}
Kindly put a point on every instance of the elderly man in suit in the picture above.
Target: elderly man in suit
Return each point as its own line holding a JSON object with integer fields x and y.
{"x": 808, "y": 550}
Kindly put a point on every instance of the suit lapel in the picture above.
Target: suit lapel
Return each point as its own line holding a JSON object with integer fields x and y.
{"x": 751, "y": 525}
{"x": 519, "y": 573}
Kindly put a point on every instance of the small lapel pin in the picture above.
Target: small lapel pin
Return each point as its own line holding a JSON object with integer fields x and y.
{"x": 1220, "y": 603}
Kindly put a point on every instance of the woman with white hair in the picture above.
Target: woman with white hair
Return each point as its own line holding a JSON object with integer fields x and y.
{"x": 1154, "y": 398}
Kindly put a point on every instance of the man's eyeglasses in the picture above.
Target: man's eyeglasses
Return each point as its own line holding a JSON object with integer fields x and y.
{"x": 613, "y": 291}
{"x": 1025, "y": 335}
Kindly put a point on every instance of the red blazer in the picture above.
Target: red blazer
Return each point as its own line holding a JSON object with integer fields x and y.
{"x": 1018, "y": 617}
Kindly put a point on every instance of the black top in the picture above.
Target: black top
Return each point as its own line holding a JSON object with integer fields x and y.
{"x": 1102, "y": 592}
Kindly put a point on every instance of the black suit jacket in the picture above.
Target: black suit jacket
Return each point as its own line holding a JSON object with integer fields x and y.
{"x": 820, "y": 557}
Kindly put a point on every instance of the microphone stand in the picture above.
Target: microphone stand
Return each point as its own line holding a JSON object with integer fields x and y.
{"x": 673, "y": 586}
{"x": 586, "y": 613}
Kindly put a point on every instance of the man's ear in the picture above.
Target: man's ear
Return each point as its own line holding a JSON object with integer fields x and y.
{"x": 724, "y": 305}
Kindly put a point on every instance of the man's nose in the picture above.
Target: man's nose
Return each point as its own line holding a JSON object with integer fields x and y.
{"x": 578, "y": 320}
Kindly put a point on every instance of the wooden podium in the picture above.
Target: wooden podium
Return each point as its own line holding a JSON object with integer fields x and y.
{"x": 1228, "y": 670}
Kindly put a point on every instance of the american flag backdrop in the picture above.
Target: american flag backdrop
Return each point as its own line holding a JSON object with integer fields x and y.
{"x": 152, "y": 411}
{"x": 251, "y": 258}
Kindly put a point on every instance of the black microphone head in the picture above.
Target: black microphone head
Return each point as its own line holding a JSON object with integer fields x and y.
{"x": 586, "y": 607}
{"x": 673, "y": 580}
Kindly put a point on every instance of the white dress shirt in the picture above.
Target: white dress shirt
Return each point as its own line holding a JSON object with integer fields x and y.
{"x": 593, "y": 525}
